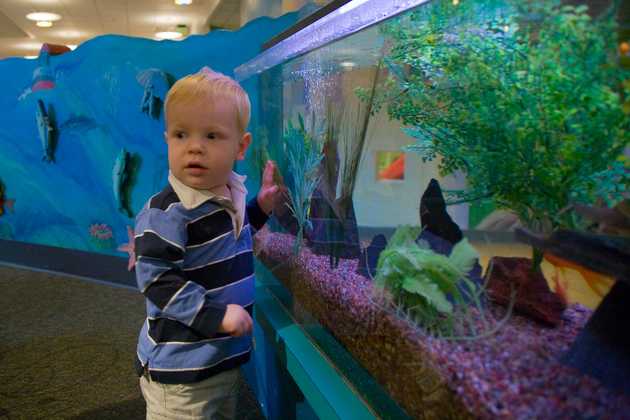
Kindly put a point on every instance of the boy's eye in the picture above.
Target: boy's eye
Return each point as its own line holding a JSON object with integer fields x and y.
{"x": 211, "y": 136}
{"x": 180, "y": 134}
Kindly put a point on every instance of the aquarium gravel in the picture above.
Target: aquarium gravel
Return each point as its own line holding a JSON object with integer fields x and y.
{"x": 515, "y": 373}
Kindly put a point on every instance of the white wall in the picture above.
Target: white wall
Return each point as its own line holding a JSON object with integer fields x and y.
{"x": 393, "y": 203}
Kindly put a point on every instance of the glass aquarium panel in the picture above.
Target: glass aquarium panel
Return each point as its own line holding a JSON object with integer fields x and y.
{"x": 457, "y": 214}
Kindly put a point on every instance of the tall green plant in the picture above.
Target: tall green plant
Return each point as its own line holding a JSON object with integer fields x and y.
{"x": 524, "y": 97}
{"x": 304, "y": 155}
{"x": 258, "y": 153}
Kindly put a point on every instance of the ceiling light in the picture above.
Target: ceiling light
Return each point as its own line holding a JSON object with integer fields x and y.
{"x": 348, "y": 64}
{"x": 43, "y": 16}
{"x": 71, "y": 34}
{"x": 44, "y": 24}
{"x": 168, "y": 35}
{"x": 183, "y": 2}
{"x": 30, "y": 57}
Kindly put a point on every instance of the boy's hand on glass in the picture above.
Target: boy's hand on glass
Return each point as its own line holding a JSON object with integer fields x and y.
{"x": 236, "y": 321}
{"x": 272, "y": 187}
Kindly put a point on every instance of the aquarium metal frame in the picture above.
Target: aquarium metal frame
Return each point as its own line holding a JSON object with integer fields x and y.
{"x": 308, "y": 20}
{"x": 348, "y": 19}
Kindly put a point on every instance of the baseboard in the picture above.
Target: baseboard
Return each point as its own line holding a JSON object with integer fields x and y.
{"x": 89, "y": 265}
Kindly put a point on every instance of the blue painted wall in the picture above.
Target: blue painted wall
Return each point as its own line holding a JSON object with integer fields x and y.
{"x": 96, "y": 104}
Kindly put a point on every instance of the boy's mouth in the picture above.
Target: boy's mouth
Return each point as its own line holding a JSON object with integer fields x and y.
{"x": 195, "y": 166}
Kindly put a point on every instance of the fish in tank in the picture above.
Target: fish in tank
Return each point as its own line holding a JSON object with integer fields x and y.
{"x": 448, "y": 166}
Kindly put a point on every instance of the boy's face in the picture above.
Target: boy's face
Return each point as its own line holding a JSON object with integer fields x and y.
{"x": 204, "y": 140}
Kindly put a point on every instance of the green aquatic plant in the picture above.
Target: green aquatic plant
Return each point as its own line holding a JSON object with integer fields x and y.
{"x": 431, "y": 289}
{"x": 258, "y": 154}
{"x": 345, "y": 135}
{"x": 524, "y": 97}
{"x": 304, "y": 155}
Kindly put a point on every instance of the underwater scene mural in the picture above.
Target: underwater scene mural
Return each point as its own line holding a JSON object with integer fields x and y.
{"x": 81, "y": 132}
{"x": 457, "y": 206}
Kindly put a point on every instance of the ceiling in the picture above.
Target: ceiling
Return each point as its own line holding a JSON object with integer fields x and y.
{"x": 85, "y": 19}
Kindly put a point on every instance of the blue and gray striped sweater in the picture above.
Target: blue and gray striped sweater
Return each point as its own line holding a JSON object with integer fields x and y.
{"x": 189, "y": 267}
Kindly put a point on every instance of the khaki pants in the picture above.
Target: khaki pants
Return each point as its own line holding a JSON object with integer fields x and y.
{"x": 212, "y": 398}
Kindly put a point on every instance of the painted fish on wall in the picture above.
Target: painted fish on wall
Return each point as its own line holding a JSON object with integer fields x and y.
{"x": 121, "y": 179}
{"x": 156, "y": 84}
{"x": 44, "y": 75}
{"x": 4, "y": 201}
{"x": 46, "y": 131}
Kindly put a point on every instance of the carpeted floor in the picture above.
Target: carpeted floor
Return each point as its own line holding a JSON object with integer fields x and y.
{"x": 67, "y": 347}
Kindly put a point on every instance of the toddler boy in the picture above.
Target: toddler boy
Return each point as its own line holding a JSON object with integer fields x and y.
{"x": 193, "y": 242}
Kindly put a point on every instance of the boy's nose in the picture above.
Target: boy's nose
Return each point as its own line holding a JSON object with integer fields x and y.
{"x": 196, "y": 146}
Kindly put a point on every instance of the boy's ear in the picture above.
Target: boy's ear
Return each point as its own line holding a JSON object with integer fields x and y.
{"x": 243, "y": 145}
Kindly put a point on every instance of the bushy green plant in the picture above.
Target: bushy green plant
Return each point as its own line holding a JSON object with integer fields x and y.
{"x": 421, "y": 281}
{"x": 524, "y": 97}
{"x": 304, "y": 155}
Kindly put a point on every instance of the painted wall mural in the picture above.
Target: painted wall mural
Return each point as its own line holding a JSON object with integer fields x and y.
{"x": 81, "y": 132}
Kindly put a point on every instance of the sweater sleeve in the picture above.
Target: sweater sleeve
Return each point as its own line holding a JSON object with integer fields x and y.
{"x": 257, "y": 217}
{"x": 160, "y": 243}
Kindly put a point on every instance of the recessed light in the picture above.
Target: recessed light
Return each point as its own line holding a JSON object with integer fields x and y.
{"x": 183, "y": 2}
{"x": 44, "y": 24}
{"x": 46, "y": 16}
{"x": 168, "y": 35}
{"x": 30, "y": 57}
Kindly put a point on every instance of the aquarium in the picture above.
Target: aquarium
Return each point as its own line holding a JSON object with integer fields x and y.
{"x": 455, "y": 233}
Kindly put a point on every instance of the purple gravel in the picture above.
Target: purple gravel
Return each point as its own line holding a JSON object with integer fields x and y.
{"x": 512, "y": 374}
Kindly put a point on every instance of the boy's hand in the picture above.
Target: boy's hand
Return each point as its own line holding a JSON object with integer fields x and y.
{"x": 236, "y": 321}
{"x": 269, "y": 190}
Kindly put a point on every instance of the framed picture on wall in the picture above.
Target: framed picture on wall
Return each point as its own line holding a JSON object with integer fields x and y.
{"x": 390, "y": 166}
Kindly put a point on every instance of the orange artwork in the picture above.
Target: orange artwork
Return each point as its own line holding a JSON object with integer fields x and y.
{"x": 390, "y": 166}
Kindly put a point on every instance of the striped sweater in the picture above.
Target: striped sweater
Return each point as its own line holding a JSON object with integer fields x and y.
{"x": 190, "y": 265}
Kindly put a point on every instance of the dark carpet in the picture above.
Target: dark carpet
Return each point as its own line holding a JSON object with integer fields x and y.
{"x": 67, "y": 347}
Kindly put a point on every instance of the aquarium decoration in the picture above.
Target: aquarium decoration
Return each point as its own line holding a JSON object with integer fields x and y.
{"x": 335, "y": 232}
{"x": 46, "y": 130}
{"x": 258, "y": 155}
{"x": 434, "y": 217}
{"x": 521, "y": 99}
{"x": 304, "y": 155}
{"x": 431, "y": 289}
{"x": 368, "y": 260}
{"x": 156, "y": 84}
{"x": 603, "y": 347}
{"x": 534, "y": 298}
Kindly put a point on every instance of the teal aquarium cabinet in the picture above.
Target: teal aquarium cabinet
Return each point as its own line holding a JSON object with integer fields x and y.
{"x": 454, "y": 238}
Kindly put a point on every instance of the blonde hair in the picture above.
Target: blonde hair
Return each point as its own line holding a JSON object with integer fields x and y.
{"x": 210, "y": 84}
